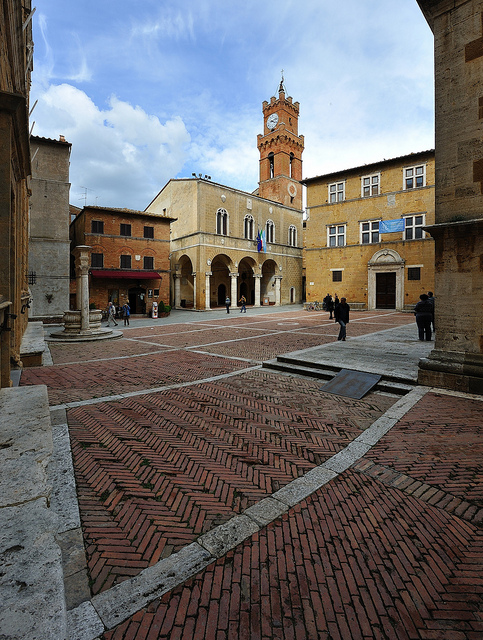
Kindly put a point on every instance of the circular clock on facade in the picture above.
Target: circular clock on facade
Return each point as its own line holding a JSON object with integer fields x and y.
{"x": 272, "y": 121}
{"x": 292, "y": 190}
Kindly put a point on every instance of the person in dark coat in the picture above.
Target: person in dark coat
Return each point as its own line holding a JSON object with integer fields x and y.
{"x": 341, "y": 314}
{"x": 329, "y": 304}
{"x": 227, "y": 304}
{"x": 424, "y": 315}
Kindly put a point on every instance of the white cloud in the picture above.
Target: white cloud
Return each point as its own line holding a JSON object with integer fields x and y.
{"x": 122, "y": 155}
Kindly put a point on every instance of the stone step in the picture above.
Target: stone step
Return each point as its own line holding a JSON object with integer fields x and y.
{"x": 297, "y": 366}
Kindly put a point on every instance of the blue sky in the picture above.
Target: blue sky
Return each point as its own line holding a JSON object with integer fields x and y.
{"x": 148, "y": 90}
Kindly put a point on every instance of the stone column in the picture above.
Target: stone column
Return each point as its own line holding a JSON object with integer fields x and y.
{"x": 234, "y": 288}
{"x": 177, "y": 290}
{"x": 258, "y": 281}
{"x": 278, "y": 282}
{"x": 82, "y": 253}
{"x": 208, "y": 275}
{"x": 194, "y": 290}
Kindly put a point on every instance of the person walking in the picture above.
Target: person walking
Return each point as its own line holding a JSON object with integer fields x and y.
{"x": 126, "y": 312}
{"x": 227, "y": 304}
{"x": 329, "y": 304}
{"x": 341, "y": 315}
{"x": 431, "y": 299}
{"x": 111, "y": 314}
{"x": 243, "y": 302}
{"x": 424, "y": 314}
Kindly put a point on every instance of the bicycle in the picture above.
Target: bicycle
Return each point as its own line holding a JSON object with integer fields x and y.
{"x": 315, "y": 306}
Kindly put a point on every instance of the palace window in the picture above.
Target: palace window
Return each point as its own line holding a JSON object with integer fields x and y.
{"x": 413, "y": 227}
{"x": 415, "y": 177}
{"x": 148, "y": 262}
{"x": 336, "y": 236}
{"x": 337, "y": 192}
{"x": 370, "y": 185}
{"x": 248, "y": 227}
{"x": 125, "y": 230}
{"x": 370, "y": 232}
{"x": 126, "y": 262}
{"x": 149, "y": 232}
{"x": 97, "y": 226}
{"x": 292, "y": 236}
{"x": 97, "y": 259}
{"x": 414, "y": 273}
{"x": 336, "y": 276}
{"x": 222, "y": 222}
{"x": 270, "y": 232}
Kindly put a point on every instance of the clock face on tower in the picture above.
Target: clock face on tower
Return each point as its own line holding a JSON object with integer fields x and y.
{"x": 272, "y": 121}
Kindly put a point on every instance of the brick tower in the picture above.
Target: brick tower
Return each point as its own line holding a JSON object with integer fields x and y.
{"x": 281, "y": 151}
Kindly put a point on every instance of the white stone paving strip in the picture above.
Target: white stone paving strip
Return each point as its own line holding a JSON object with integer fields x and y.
{"x": 110, "y": 608}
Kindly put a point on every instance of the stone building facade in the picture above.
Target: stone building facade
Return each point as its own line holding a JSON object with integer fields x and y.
{"x": 49, "y": 243}
{"x": 129, "y": 257}
{"x": 16, "y": 51}
{"x": 215, "y": 250}
{"x": 348, "y": 251}
{"x": 457, "y": 359}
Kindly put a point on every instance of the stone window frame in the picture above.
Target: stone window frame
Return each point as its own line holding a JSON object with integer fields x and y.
{"x": 336, "y": 275}
{"x": 371, "y": 185}
{"x": 292, "y": 235}
{"x": 270, "y": 231}
{"x": 334, "y": 233}
{"x": 248, "y": 227}
{"x": 414, "y": 273}
{"x": 369, "y": 232}
{"x": 336, "y": 192}
{"x": 414, "y": 230}
{"x": 412, "y": 174}
{"x": 221, "y": 222}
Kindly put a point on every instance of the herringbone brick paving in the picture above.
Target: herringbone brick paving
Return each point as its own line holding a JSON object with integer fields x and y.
{"x": 356, "y": 560}
{"x": 383, "y": 551}
{"x": 156, "y": 471}
{"x": 449, "y": 450}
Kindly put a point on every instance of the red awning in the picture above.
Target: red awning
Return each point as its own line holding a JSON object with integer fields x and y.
{"x": 125, "y": 274}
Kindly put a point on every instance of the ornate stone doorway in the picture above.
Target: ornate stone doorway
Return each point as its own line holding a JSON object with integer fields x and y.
{"x": 385, "y": 286}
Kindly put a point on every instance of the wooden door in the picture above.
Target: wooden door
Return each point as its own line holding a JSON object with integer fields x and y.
{"x": 386, "y": 290}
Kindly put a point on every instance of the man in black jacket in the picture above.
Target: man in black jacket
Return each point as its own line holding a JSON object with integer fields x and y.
{"x": 424, "y": 315}
{"x": 341, "y": 315}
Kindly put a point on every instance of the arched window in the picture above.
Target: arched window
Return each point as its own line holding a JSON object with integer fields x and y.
{"x": 271, "y": 159}
{"x": 270, "y": 231}
{"x": 291, "y": 165}
{"x": 292, "y": 236}
{"x": 248, "y": 227}
{"x": 222, "y": 222}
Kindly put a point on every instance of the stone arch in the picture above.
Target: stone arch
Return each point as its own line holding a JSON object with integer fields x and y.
{"x": 386, "y": 265}
{"x": 246, "y": 279}
{"x": 184, "y": 282}
{"x": 268, "y": 283}
{"x": 220, "y": 282}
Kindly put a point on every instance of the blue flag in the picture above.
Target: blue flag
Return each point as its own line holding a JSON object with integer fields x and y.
{"x": 390, "y": 226}
{"x": 259, "y": 242}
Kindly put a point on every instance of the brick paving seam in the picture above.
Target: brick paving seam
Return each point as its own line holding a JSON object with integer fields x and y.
{"x": 111, "y": 607}
{"x": 143, "y": 392}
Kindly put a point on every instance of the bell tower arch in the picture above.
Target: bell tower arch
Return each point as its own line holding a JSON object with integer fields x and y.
{"x": 281, "y": 149}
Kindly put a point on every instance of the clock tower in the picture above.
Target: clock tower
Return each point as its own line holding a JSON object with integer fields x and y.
{"x": 281, "y": 150}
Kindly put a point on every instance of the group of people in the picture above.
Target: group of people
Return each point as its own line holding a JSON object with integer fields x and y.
{"x": 424, "y": 312}
{"x": 339, "y": 310}
{"x": 242, "y": 302}
{"x": 124, "y": 312}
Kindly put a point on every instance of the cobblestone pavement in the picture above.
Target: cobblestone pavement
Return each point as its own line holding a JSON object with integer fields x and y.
{"x": 390, "y": 548}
